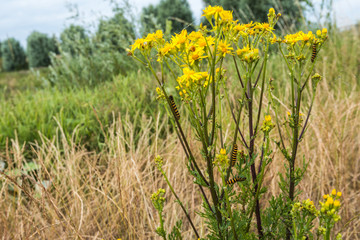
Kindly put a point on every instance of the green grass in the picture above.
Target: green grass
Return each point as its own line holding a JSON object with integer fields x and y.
{"x": 31, "y": 111}
{"x": 12, "y": 83}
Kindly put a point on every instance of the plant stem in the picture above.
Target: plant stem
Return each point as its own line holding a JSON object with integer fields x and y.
{"x": 162, "y": 225}
{"x": 229, "y": 208}
{"x": 251, "y": 154}
{"x": 180, "y": 203}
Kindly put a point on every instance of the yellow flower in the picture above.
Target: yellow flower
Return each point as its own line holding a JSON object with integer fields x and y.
{"x": 223, "y": 151}
{"x": 179, "y": 39}
{"x": 248, "y": 55}
{"x": 291, "y": 38}
{"x": 324, "y": 31}
{"x": 226, "y": 16}
{"x": 198, "y": 54}
{"x": 164, "y": 51}
{"x": 274, "y": 39}
{"x": 160, "y": 94}
{"x": 267, "y": 125}
{"x": 139, "y": 44}
{"x": 333, "y": 192}
{"x": 224, "y": 48}
{"x": 190, "y": 79}
{"x": 150, "y": 37}
{"x": 212, "y": 11}
{"x": 221, "y": 159}
{"x": 330, "y": 200}
{"x": 242, "y": 51}
{"x": 339, "y": 194}
{"x": 271, "y": 11}
{"x": 194, "y": 36}
{"x": 204, "y": 42}
{"x": 159, "y": 34}
{"x": 318, "y": 32}
{"x": 259, "y": 27}
{"x": 336, "y": 203}
{"x": 159, "y": 162}
{"x": 325, "y": 196}
{"x": 243, "y": 27}
{"x": 305, "y": 37}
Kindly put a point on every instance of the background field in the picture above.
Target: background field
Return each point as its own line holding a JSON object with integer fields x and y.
{"x": 83, "y": 156}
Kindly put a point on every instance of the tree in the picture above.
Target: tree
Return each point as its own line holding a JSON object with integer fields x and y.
{"x": 178, "y": 11}
{"x": 117, "y": 32}
{"x": 13, "y": 55}
{"x": 257, "y": 10}
{"x": 71, "y": 37}
{"x": 39, "y": 46}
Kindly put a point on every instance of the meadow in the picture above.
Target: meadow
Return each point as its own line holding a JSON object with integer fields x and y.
{"x": 79, "y": 162}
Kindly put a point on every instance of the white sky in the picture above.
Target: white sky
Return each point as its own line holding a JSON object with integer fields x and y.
{"x": 18, "y": 18}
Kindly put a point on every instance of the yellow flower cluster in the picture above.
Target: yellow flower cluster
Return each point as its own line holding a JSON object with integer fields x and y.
{"x": 267, "y": 124}
{"x": 305, "y": 206}
{"x": 158, "y": 199}
{"x": 305, "y": 38}
{"x": 224, "y": 48}
{"x": 248, "y": 55}
{"x": 190, "y": 81}
{"x": 330, "y": 208}
{"x": 159, "y": 162}
{"x": 160, "y": 94}
{"x": 147, "y": 43}
{"x": 194, "y": 52}
{"x": 222, "y": 158}
{"x": 292, "y": 119}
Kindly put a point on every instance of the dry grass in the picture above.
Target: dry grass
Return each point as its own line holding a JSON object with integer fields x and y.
{"x": 107, "y": 195}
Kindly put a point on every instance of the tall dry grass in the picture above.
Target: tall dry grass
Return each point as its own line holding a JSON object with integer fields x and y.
{"x": 106, "y": 195}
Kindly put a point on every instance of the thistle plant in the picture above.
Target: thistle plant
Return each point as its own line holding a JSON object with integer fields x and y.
{"x": 191, "y": 77}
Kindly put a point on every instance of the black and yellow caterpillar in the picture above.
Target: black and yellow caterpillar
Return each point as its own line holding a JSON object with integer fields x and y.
{"x": 234, "y": 180}
{"x": 174, "y": 108}
{"x": 313, "y": 55}
{"x": 234, "y": 155}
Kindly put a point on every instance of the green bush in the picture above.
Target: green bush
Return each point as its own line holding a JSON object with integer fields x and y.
{"x": 39, "y": 46}
{"x": 29, "y": 113}
{"x": 178, "y": 11}
{"x": 13, "y": 55}
{"x": 117, "y": 32}
{"x": 71, "y": 35}
{"x": 90, "y": 60}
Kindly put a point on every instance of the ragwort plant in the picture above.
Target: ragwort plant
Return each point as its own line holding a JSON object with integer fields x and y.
{"x": 231, "y": 187}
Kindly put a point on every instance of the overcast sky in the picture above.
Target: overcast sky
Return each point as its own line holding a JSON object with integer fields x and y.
{"x": 18, "y": 18}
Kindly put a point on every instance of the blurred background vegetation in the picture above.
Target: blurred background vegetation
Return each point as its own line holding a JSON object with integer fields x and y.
{"x": 65, "y": 71}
